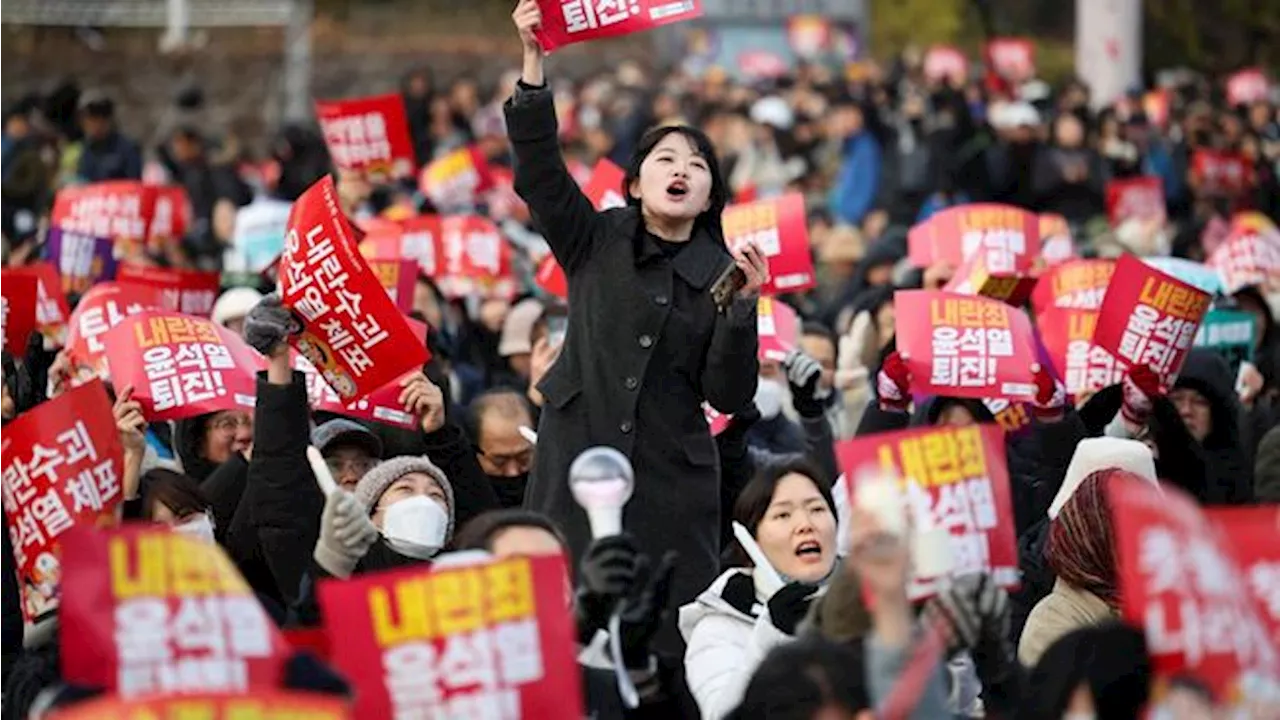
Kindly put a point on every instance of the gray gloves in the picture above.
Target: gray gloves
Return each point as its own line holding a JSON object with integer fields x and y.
{"x": 975, "y": 609}
{"x": 269, "y": 323}
{"x": 346, "y": 534}
{"x": 804, "y": 374}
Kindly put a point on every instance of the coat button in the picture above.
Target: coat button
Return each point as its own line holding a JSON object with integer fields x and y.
{"x": 625, "y": 427}
{"x": 661, "y": 300}
{"x": 646, "y": 341}
{"x": 632, "y": 383}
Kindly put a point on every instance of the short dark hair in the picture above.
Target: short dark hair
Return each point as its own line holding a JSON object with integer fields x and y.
{"x": 480, "y": 533}
{"x": 505, "y": 400}
{"x": 753, "y": 502}
{"x": 798, "y": 679}
{"x": 719, "y": 196}
{"x": 813, "y": 327}
{"x": 176, "y": 491}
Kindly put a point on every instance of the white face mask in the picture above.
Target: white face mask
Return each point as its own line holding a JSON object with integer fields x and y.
{"x": 416, "y": 526}
{"x": 199, "y": 527}
{"x": 769, "y": 395}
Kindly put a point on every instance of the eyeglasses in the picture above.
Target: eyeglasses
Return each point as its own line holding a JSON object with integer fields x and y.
{"x": 493, "y": 464}
{"x": 356, "y": 467}
{"x": 230, "y": 423}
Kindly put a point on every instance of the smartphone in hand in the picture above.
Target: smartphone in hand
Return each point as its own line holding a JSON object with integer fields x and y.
{"x": 726, "y": 287}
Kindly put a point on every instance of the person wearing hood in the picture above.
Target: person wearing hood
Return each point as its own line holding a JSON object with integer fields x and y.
{"x": 205, "y": 442}
{"x": 757, "y": 605}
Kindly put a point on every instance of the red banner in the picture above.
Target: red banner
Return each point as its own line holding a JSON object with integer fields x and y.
{"x": 118, "y": 209}
{"x": 1253, "y": 536}
{"x": 954, "y": 478}
{"x": 975, "y": 278}
{"x": 181, "y": 366}
{"x": 1067, "y": 336}
{"x": 778, "y": 227}
{"x": 1138, "y": 198}
{"x": 353, "y": 333}
{"x": 476, "y": 258}
{"x": 105, "y": 306}
{"x": 417, "y": 238}
{"x": 382, "y": 405}
{"x": 962, "y": 346}
{"x": 455, "y": 181}
{"x": 1013, "y": 59}
{"x": 1249, "y": 255}
{"x": 149, "y": 611}
{"x": 63, "y": 466}
{"x": 604, "y": 190}
{"x": 397, "y": 277}
{"x": 1009, "y": 237}
{"x": 946, "y": 63}
{"x": 1148, "y": 318}
{"x": 490, "y": 639}
{"x": 170, "y": 217}
{"x": 1056, "y": 245}
{"x": 254, "y": 705}
{"x": 369, "y": 135}
{"x": 551, "y": 278}
{"x": 1179, "y": 583}
{"x": 1247, "y": 86}
{"x": 1218, "y": 173}
{"x": 1078, "y": 284}
{"x": 20, "y": 292}
{"x": 778, "y": 327}
{"x": 192, "y": 292}
{"x": 565, "y": 22}
{"x": 52, "y": 312}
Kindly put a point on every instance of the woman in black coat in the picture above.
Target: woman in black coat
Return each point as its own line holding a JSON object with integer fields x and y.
{"x": 646, "y": 344}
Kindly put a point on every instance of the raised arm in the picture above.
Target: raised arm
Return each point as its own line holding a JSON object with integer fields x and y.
{"x": 564, "y": 214}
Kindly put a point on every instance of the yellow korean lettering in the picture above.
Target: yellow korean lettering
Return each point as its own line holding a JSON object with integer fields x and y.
{"x": 971, "y": 452}
{"x": 509, "y": 587}
{"x": 941, "y": 459}
{"x": 410, "y": 619}
{"x": 459, "y": 598}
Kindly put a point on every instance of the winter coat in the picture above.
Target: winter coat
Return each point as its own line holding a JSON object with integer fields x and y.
{"x": 854, "y": 193}
{"x": 1229, "y": 476}
{"x": 1065, "y": 609}
{"x": 1077, "y": 201}
{"x": 114, "y": 157}
{"x": 644, "y": 348}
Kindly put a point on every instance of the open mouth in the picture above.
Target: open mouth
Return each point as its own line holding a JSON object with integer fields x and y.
{"x": 678, "y": 189}
{"x": 809, "y": 548}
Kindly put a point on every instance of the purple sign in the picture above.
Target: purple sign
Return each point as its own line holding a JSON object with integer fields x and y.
{"x": 82, "y": 260}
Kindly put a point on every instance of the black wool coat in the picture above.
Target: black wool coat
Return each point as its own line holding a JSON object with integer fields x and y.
{"x": 645, "y": 347}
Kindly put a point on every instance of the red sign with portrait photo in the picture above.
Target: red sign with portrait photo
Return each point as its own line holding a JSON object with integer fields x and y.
{"x": 565, "y": 22}
{"x": 778, "y": 228}
{"x": 382, "y": 405}
{"x": 368, "y": 135}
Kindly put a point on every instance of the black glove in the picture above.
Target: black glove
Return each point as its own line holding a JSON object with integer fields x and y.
{"x": 269, "y": 323}
{"x": 974, "y": 610}
{"x": 789, "y": 605}
{"x": 803, "y": 375}
{"x": 607, "y": 576}
{"x": 645, "y": 611}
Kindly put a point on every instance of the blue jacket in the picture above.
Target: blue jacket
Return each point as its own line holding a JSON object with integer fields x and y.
{"x": 856, "y": 187}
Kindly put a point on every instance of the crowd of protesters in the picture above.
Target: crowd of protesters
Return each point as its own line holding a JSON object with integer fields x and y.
{"x": 518, "y": 386}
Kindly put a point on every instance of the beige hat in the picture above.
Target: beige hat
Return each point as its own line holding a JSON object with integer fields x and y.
{"x": 517, "y": 328}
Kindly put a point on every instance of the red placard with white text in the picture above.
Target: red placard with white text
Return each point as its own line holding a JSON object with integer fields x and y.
{"x": 20, "y": 294}
{"x": 778, "y": 228}
{"x": 102, "y": 308}
{"x": 1138, "y": 198}
{"x": 1180, "y": 584}
{"x": 192, "y": 292}
{"x": 1249, "y": 255}
{"x": 352, "y": 332}
{"x": 170, "y": 217}
{"x": 778, "y": 327}
{"x": 52, "y": 312}
{"x": 181, "y": 366}
{"x": 1067, "y": 336}
{"x": 1008, "y": 236}
{"x": 1079, "y": 284}
{"x": 502, "y": 200}
{"x": 382, "y": 405}
{"x": 1056, "y": 245}
{"x": 604, "y": 190}
{"x": 252, "y": 705}
{"x": 397, "y": 277}
{"x": 973, "y": 277}
{"x": 1147, "y": 318}
{"x": 1247, "y": 87}
{"x": 962, "y": 346}
{"x": 63, "y": 466}
{"x": 955, "y": 478}
{"x": 565, "y": 22}
{"x": 149, "y": 611}
{"x": 1253, "y": 536}
{"x": 1220, "y": 173}
{"x": 489, "y": 639}
{"x": 369, "y": 135}
{"x": 119, "y": 209}
{"x": 946, "y": 63}
{"x": 416, "y": 238}
{"x": 1013, "y": 59}
{"x": 475, "y": 258}
{"x": 455, "y": 182}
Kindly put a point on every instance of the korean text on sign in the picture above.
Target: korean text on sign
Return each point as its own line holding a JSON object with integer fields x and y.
{"x": 63, "y": 466}
{"x": 161, "y": 612}
{"x": 105, "y": 306}
{"x": 254, "y": 705}
{"x": 368, "y": 135}
{"x": 1149, "y": 318}
{"x": 352, "y": 331}
{"x": 571, "y": 21}
{"x": 1078, "y": 284}
{"x": 489, "y": 640}
{"x": 187, "y": 291}
{"x": 955, "y": 479}
{"x": 777, "y": 227}
{"x": 119, "y": 209}
{"x": 1067, "y": 335}
{"x": 1253, "y": 536}
{"x": 1007, "y": 237}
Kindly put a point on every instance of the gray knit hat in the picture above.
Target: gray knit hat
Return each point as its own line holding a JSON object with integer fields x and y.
{"x": 375, "y": 482}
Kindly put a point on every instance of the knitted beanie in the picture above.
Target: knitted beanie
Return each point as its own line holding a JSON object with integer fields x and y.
{"x": 375, "y": 482}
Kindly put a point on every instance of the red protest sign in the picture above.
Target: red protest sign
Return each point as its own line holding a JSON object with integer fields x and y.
{"x": 502, "y": 200}
{"x": 149, "y": 611}
{"x": 251, "y": 705}
{"x": 102, "y": 308}
{"x": 604, "y": 189}
{"x": 455, "y": 181}
{"x": 187, "y": 291}
{"x": 20, "y": 293}
{"x": 975, "y": 278}
{"x": 1179, "y": 583}
{"x": 63, "y": 465}
{"x": 1148, "y": 318}
{"x": 946, "y": 63}
{"x": 51, "y": 305}
{"x": 1078, "y": 284}
{"x": 777, "y": 226}
{"x": 1137, "y": 198}
{"x": 1247, "y": 86}
{"x": 565, "y": 22}
{"x": 416, "y": 238}
{"x": 1013, "y": 59}
{"x": 352, "y": 331}
{"x": 476, "y": 258}
{"x": 489, "y": 639}
{"x": 1253, "y": 537}
{"x": 1056, "y": 245}
{"x": 397, "y": 277}
{"x": 1067, "y": 336}
{"x": 717, "y": 421}
{"x": 118, "y": 209}
{"x": 954, "y": 478}
{"x": 778, "y": 327}
{"x": 962, "y": 346}
{"x": 382, "y": 405}
{"x": 181, "y": 366}
{"x": 1220, "y": 173}
{"x": 369, "y": 135}
{"x": 1249, "y": 255}
{"x": 1008, "y": 236}
{"x": 170, "y": 217}
{"x": 551, "y": 278}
